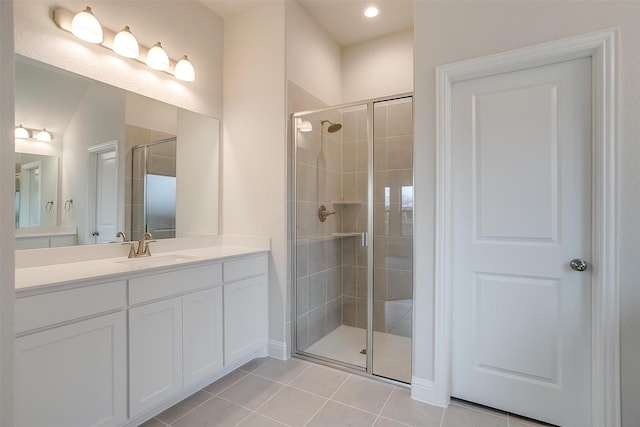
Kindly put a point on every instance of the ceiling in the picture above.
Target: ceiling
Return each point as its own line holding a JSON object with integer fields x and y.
{"x": 342, "y": 19}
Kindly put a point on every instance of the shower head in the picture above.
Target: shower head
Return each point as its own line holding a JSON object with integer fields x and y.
{"x": 333, "y": 127}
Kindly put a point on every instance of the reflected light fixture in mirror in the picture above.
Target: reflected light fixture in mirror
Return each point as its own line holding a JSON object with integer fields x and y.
{"x": 85, "y": 26}
{"x": 22, "y": 133}
{"x": 157, "y": 58}
{"x": 125, "y": 44}
{"x": 43, "y": 136}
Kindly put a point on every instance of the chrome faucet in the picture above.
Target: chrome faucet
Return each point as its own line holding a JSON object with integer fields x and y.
{"x": 143, "y": 245}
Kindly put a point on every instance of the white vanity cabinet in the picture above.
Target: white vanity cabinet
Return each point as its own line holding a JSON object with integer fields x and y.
{"x": 71, "y": 367}
{"x": 186, "y": 326}
{"x": 177, "y": 341}
{"x": 245, "y": 309}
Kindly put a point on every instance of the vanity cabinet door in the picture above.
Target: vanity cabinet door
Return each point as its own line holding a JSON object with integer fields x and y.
{"x": 73, "y": 375}
{"x": 155, "y": 353}
{"x": 202, "y": 334}
{"x": 245, "y": 318}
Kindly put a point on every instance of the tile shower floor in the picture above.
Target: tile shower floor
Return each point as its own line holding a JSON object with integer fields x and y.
{"x": 268, "y": 392}
{"x": 392, "y": 353}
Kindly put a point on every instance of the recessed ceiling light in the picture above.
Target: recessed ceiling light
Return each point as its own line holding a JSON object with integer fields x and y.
{"x": 371, "y": 12}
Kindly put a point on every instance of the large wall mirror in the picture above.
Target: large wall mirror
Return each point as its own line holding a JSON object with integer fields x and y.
{"x": 117, "y": 161}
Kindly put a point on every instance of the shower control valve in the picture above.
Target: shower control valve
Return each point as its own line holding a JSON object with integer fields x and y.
{"x": 323, "y": 213}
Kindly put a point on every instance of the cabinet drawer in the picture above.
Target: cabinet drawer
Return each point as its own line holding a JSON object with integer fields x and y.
{"x": 245, "y": 267}
{"x": 164, "y": 285}
{"x": 55, "y": 307}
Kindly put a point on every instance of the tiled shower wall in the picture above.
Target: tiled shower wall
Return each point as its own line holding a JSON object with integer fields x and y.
{"x": 393, "y": 216}
{"x": 319, "y": 253}
{"x": 161, "y": 162}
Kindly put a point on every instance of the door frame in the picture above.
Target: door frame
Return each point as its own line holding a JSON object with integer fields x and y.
{"x": 92, "y": 191}
{"x": 601, "y": 48}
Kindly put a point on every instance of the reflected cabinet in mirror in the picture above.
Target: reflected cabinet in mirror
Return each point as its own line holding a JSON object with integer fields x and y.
{"x": 117, "y": 161}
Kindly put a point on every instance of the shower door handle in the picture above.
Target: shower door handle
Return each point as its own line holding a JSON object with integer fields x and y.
{"x": 365, "y": 239}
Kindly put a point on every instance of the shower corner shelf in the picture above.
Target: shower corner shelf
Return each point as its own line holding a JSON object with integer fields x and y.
{"x": 345, "y": 234}
{"x": 346, "y": 202}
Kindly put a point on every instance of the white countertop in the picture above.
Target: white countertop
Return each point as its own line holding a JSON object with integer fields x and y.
{"x": 37, "y": 277}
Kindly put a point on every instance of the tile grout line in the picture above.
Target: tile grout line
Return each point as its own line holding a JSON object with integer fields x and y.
{"x": 329, "y": 399}
{"x": 160, "y": 421}
{"x": 279, "y": 391}
{"x": 442, "y": 417}
{"x": 211, "y": 396}
{"x": 385, "y": 404}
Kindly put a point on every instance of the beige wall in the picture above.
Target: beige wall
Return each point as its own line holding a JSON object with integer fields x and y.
{"x": 377, "y": 68}
{"x": 7, "y": 226}
{"x": 452, "y": 31}
{"x": 313, "y": 58}
{"x": 253, "y": 146}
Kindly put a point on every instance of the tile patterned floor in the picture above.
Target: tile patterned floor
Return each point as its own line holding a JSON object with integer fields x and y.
{"x": 268, "y": 392}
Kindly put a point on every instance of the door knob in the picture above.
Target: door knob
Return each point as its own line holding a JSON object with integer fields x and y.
{"x": 578, "y": 264}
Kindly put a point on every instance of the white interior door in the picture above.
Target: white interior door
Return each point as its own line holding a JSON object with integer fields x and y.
{"x": 106, "y": 197}
{"x": 521, "y": 317}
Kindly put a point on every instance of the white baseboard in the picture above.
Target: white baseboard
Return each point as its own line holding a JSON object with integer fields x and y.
{"x": 425, "y": 391}
{"x": 278, "y": 350}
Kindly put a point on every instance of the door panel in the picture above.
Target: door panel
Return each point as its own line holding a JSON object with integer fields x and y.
{"x": 522, "y": 209}
{"x": 106, "y": 197}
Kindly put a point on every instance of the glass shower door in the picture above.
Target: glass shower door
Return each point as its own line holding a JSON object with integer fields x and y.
{"x": 331, "y": 185}
{"x": 393, "y": 238}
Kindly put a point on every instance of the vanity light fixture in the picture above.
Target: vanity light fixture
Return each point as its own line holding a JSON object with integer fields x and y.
{"x": 22, "y": 133}
{"x": 43, "y": 136}
{"x": 85, "y": 26}
{"x": 184, "y": 70}
{"x": 371, "y": 12}
{"x": 157, "y": 58}
{"x": 125, "y": 44}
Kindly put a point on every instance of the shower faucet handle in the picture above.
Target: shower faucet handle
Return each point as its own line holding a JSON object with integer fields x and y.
{"x": 323, "y": 213}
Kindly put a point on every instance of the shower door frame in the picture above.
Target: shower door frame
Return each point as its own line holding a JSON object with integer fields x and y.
{"x": 368, "y": 369}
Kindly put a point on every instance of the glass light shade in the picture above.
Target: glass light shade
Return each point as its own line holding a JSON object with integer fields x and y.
{"x": 85, "y": 26}
{"x": 43, "y": 136}
{"x": 184, "y": 70}
{"x": 21, "y": 133}
{"x": 371, "y": 12}
{"x": 125, "y": 44}
{"x": 157, "y": 58}
{"x": 305, "y": 126}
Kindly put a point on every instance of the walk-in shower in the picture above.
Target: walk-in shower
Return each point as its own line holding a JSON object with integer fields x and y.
{"x": 352, "y": 236}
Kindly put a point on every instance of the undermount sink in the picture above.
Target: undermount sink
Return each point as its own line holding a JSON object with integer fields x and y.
{"x": 157, "y": 260}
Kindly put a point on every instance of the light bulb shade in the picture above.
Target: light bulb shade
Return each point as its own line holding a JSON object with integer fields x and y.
{"x": 43, "y": 136}
{"x": 184, "y": 70}
{"x": 157, "y": 58}
{"x": 21, "y": 133}
{"x": 125, "y": 44}
{"x": 85, "y": 26}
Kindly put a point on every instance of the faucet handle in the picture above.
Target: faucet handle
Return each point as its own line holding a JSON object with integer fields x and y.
{"x": 146, "y": 249}
{"x": 132, "y": 249}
